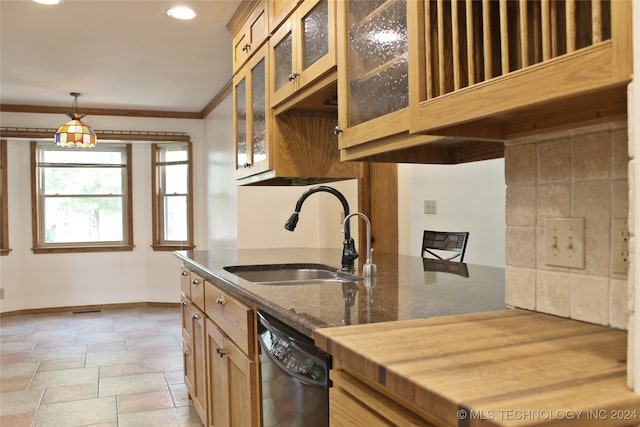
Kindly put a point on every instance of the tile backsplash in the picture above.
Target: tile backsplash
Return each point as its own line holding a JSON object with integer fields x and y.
{"x": 574, "y": 173}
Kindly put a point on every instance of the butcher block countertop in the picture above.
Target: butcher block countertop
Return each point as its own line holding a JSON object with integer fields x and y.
{"x": 499, "y": 368}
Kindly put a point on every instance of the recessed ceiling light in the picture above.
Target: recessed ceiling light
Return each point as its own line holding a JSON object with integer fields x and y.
{"x": 48, "y": 1}
{"x": 181, "y": 12}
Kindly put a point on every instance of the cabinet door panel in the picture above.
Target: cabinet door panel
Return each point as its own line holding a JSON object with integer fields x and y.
{"x": 185, "y": 282}
{"x": 216, "y": 378}
{"x": 374, "y": 65}
{"x": 197, "y": 290}
{"x": 241, "y": 375}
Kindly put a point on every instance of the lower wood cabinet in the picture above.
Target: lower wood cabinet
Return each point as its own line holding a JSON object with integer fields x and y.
{"x": 220, "y": 355}
{"x": 193, "y": 334}
{"x": 354, "y": 402}
{"x": 231, "y": 376}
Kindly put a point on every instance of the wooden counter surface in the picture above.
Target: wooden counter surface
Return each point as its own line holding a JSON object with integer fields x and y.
{"x": 498, "y": 368}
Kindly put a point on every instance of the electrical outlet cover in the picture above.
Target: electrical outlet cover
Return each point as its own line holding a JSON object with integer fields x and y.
{"x": 564, "y": 242}
{"x": 619, "y": 246}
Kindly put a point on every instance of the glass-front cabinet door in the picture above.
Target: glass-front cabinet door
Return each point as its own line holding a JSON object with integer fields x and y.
{"x": 303, "y": 48}
{"x": 251, "y": 126}
{"x": 373, "y": 89}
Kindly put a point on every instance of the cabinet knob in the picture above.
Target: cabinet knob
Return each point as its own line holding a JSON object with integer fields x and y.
{"x": 195, "y": 316}
{"x": 220, "y": 351}
{"x": 293, "y": 76}
{"x": 337, "y": 130}
{"x": 186, "y": 353}
{"x": 184, "y": 303}
{"x": 184, "y": 273}
{"x": 195, "y": 282}
{"x": 246, "y": 47}
{"x": 220, "y": 300}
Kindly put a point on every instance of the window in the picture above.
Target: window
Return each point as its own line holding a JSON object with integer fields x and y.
{"x": 82, "y": 198}
{"x": 172, "y": 204}
{"x": 4, "y": 208}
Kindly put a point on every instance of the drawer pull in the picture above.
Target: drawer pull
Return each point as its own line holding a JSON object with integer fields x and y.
{"x": 195, "y": 316}
{"x": 246, "y": 47}
{"x": 220, "y": 300}
{"x": 195, "y": 282}
{"x": 186, "y": 353}
{"x": 184, "y": 303}
{"x": 220, "y": 352}
{"x": 337, "y": 130}
{"x": 184, "y": 273}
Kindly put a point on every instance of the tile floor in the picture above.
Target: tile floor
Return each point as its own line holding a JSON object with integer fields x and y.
{"x": 114, "y": 368}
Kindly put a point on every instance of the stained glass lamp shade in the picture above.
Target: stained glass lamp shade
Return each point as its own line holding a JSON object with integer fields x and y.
{"x": 75, "y": 133}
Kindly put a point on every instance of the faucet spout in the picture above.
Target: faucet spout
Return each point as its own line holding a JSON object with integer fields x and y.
{"x": 349, "y": 253}
{"x": 368, "y": 269}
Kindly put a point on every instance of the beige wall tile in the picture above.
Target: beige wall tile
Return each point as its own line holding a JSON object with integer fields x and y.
{"x": 520, "y": 164}
{"x": 590, "y": 299}
{"x": 520, "y": 287}
{"x": 592, "y": 156}
{"x": 619, "y": 199}
{"x": 619, "y": 153}
{"x": 554, "y": 201}
{"x": 552, "y": 292}
{"x": 554, "y": 160}
{"x": 618, "y": 307}
{"x": 597, "y": 251}
{"x": 521, "y": 205}
{"x": 520, "y": 250}
{"x": 592, "y": 200}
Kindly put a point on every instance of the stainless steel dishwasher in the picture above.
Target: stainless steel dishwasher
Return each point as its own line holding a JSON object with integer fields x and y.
{"x": 294, "y": 375}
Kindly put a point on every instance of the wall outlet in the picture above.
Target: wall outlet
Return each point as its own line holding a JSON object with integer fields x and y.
{"x": 564, "y": 242}
{"x": 619, "y": 246}
{"x": 430, "y": 207}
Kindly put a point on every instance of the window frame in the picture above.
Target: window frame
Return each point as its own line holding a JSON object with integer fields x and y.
{"x": 159, "y": 242}
{"x": 39, "y": 246}
{"x": 4, "y": 201}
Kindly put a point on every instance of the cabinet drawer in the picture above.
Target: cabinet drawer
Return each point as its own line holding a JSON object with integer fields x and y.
{"x": 197, "y": 290}
{"x": 233, "y": 317}
{"x": 187, "y": 326}
{"x": 185, "y": 282}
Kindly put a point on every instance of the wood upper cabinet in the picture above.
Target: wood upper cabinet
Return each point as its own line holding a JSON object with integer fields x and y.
{"x": 302, "y": 49}
{"x": 193, "y": 334}
{"x": 279, "y": 10}
{"x": 497, "y": 69}
{"x": 373, "y": 84}
{"x": 253, "y": 32}
{"x": 251, "y": 116}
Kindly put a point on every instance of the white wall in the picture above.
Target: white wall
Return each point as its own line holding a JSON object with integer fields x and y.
{"x": 53, "y": 280}
{"x": 470, "y": 197}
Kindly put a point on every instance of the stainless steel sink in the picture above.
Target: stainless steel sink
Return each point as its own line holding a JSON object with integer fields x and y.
{"x": 291, "y": 273}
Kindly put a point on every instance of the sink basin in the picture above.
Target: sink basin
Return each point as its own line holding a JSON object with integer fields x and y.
{"x": 291, "y": 273}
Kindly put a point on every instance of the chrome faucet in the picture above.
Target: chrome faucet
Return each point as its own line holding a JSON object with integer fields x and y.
{"x": 368, "y": 269}
{"x": 349, "y": 253}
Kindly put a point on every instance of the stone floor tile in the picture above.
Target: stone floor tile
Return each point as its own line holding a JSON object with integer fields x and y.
{"x": 148, "y": 342}
{"x": 139, "y": 402}
{"x": 64, "y": 377}
{"x": 114, "y": 358}
{"x": 172, "y": 417}
{"x": 179, "y": 394}
{"x": 123, "y": 369}
{"x": 70, "y": 392}
{"x": 109, "y": 346}
{"x": 66, "y": 363}
{"x": 77, "y": 413}
{"x": 175, "y": 376}
{"x": 24, "y": 419}
{"x": 129, "y": 384}
{"x": 19, "y": 402}
{"x": 57, "y": 353}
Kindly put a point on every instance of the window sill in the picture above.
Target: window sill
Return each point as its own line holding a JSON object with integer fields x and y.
{"x": 184, "y": 247}
{"x": 78, "y": 249}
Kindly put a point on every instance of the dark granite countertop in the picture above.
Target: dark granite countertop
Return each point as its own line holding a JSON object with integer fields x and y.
{"x": 406, "y": 287}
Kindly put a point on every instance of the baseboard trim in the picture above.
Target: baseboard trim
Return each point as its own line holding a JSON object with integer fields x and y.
{"x": 93, "y": 307}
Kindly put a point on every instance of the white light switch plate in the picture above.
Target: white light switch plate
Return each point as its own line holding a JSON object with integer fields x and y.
{"x": 430, "y": 207}
{"x": 564, "y": 242}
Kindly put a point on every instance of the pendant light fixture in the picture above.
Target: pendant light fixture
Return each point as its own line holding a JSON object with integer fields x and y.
{"x": 75, "y": 133}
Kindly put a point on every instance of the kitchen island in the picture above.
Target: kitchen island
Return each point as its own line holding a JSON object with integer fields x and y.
{"x": 432, "y": 343}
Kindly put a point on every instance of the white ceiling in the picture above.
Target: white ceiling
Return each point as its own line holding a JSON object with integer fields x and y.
{"x": 118, "y": 54}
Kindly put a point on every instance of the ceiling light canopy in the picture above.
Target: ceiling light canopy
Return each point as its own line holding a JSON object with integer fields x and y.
{"x": 75, "y": 133}
{"x": 183, "y": 13}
